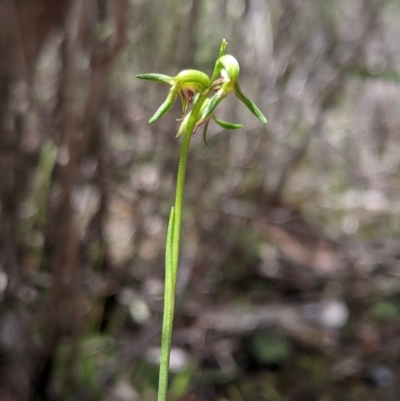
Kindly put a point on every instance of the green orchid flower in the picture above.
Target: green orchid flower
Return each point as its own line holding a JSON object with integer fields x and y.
{"x": 200, "y": 121}
{"x": 185, "y": 85}
{"x": 225, "y": 80}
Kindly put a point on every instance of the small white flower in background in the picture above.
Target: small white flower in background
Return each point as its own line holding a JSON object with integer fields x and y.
{"x": 332, "y": 314}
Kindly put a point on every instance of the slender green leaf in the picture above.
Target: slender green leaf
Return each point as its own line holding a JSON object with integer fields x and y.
{"x": 168, "y": 315}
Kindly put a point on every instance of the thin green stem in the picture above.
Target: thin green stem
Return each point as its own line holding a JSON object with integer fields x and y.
{"x": 172, "y": 253}
{"x": 180, "y": 182}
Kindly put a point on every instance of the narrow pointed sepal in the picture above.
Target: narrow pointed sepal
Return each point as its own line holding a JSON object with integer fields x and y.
{"x": 213, "y": 103}
{"x": 165, "y": 79}
{"x": 218, "y": 64}
{"x": 222, "y": 48}
{"x": 226, "y": 125}
{"x": 205, "y": 133}
{"x": 169, "y": 101}
{"x": 249, "y": 103}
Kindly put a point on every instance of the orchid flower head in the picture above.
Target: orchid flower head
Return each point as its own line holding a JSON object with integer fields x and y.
{"x": 184, "y": 85}
{"x": 225, "y": 80}
{"x": 191, "y": 85}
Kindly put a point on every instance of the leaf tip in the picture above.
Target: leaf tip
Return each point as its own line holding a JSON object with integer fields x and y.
{"x": 263, "y": 119}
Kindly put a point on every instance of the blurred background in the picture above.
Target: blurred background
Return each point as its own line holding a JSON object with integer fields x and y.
{"x": 289, "y": 281}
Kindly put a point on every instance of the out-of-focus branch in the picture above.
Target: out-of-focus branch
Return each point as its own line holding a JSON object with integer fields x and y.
{"x": 76, "y": 131}
{"x": 326, "y": 92}
{"x": 103, "y": 57}
{"x": 64, "y": 316}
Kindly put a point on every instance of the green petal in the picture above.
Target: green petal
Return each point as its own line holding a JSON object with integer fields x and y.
{"x": 249, "y": 104}
{"x": 205, "y": 133}
{"x": 213, "y": 103}
{"x": 228, "y": 67}
{"x": 226, "y": 125}
{"x": 165, "y": 79}
{"x": 218, "y": 65}
{"x": 193, "y": 79}
{"x": 184, "y": 122}
{"x": 217, "y": 69}
{"x": 169, "y": 101}
{"x": 231, "y": 66}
